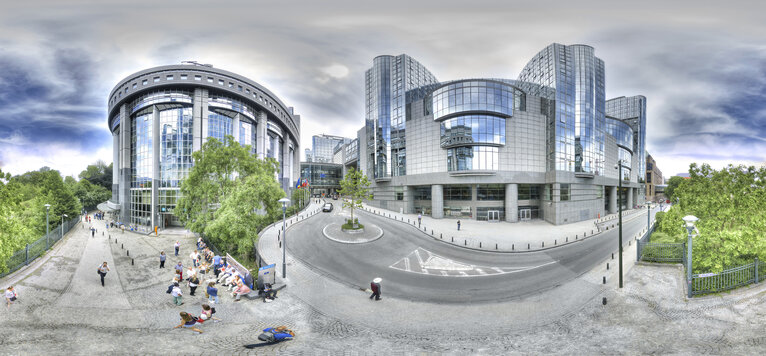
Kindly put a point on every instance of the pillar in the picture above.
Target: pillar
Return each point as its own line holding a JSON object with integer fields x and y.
{"x": 155, "y": 166}
{"x": 512, "y": 202}
{"x": 629, "y": 205}
{"x": 285, "y": 169}
{"x": 409, "y": 199}
{"x": 116, "y": 166}
{"x": 199, "y": 118}
{"x": 260, "y": 134}
{"x": 235, "y": 127}
{"x": 437, "y": 201}
{"x": 612, "y": 200}
{"x": 126, "y": 125}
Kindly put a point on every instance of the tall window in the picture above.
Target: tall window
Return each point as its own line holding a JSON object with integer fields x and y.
{"x": 564, "y": 192}
{"x": 457, "y": 192}
{"x": 219, "y": 126}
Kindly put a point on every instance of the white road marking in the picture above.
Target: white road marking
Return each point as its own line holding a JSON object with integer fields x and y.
{"x": 444, "y": 267}
{"x": 407, "y": 265}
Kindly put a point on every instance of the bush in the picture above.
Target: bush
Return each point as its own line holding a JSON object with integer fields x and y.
{"x": 350, "y": 226}
{"x": 661, "y": 237}
{"x": 658, "y": 216}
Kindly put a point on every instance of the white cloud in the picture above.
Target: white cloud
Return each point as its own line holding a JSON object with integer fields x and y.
{"x": 336, "y": 71}
{"x": 67, "y": 159}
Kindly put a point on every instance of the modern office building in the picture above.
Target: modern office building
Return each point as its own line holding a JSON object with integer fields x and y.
{"x": 323, "y": 147}
{"x": 540, "y": 147}
{"x": 653, "y": 179}
{"x": 159, "y": 116}
{"x": 323, "y": 178}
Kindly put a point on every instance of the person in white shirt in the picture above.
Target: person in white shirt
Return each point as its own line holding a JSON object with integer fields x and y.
{"x": 102, "y": 269}
{"x": 177, "y": 294}
{"x": 10, "y": 296}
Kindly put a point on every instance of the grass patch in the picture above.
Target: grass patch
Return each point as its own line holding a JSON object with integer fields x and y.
{"x": 350, "y": 225}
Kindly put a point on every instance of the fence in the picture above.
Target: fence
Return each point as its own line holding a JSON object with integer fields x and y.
{"x": 729, "y": 279}
{"x": 659, "y": 252}
{"x": 36, "y": 249}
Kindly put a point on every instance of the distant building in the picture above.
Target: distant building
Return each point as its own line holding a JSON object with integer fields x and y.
{"x": 308, "y": 155}
{"x": 653, "y": 179}
{"x": 323, "y": 178}
{"x": 323, "y": 147}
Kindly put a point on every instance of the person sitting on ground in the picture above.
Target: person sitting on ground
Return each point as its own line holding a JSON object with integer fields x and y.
{"x": 241, "y": 290}
{"x": 188, "y": 321}
{"x": 276, "y": 334}
{"x": 207, "y": 314}
{"x": 269, "y": 294}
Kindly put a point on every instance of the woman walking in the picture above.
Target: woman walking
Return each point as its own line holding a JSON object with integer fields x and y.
{"x": 193, "y": 283}
{"x": 102, "y": 269}
{"x": 212, "y": 293}
{"x": 11, "y": 296}
{"x": 189, "y": 322}
{"x": 207, "y": 314}
{"x": 162, "y": 259}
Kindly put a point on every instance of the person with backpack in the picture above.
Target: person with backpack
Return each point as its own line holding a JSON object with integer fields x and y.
{"x": 102, "y": 269}
{"x": 193, "y": 283}
{"x": 188, "y": 321}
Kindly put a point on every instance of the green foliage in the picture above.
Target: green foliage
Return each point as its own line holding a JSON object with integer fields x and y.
{"x": 98, "y": 174}
{"x": 661, "y": 237}
{"x": 229, "y": 195}
{"x": 89, "y": 194}
{"x": 355, "y": 189}
{"x": 349, "y": 226}
{"x": 732, "y": 221}
{"x": 22, "y": 210}
{"x": 673, "y": 183}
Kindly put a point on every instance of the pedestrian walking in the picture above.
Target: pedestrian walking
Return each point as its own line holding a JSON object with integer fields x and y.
{"x": 188, "y": 322}
{"x": 180, "y": 270}
{"x": 162, "y": 259}
{"x": 102, "y": 269}
{"x": 193, "y": 256}
{"x": 92, "y": 232}
{"x": 123, "y": 231}
{"x": 207, "y": 314}
{"x": 458, "y": 225}
{"x": 177, "y": 294}
{"x": 375, "y": 286}
{"x": 420, "y": 216}
{"x": 177, "y": 246}
{"x": 10, "y": 296}
{"x": 212, "y": 293}
{"x": 193, "y": 283}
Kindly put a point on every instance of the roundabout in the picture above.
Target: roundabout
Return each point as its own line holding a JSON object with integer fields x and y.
{"x": 336, "y": 233}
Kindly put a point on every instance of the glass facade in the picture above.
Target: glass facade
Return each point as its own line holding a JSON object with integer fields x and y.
{"x": 476, "y": 96}
{"x": 472, "y": 129}
{"x": 247, "y": 135}
{"x": 386, "y": 87}
{"x": 577, "y": 129}
{"x": 529, "y": 192}
{"x": 621, "y": 131}
{"x": 323, "y": 147}
{"x": 142, "y": 154}
{"x": 219, "y": 126}
{"x": 490, "y": 192}
{"x": 632, "y": 111}
{"x": 176, "y": 138}
{"x": 472, "y": 158}
{"x": 457, "y": 192}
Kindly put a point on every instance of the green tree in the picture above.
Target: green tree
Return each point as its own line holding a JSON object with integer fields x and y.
{"x": 354, "y": 189}
{"x": 673, "y": 183}
{"x": 90, "y": 195}
{"x": 99, "y": 174}
{"x": 213, "y": 196}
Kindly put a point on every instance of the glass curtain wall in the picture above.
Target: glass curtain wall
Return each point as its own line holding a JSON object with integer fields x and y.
{"x": 176, "y": 138}
{"x": 141, "y": 168}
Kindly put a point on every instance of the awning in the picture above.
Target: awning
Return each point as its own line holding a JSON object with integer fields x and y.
{"x": 108, "y": 206}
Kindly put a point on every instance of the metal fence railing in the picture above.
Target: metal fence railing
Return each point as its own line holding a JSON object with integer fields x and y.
{"x": 659, "y": 252}
{"x": 35, "y": 249}
{"x": 729, "y": 279}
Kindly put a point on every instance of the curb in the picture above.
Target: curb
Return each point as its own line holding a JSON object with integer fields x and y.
{"x": 379, "y": 235}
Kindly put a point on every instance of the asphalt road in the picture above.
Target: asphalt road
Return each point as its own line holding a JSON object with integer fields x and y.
{"x": 486, "y": 276}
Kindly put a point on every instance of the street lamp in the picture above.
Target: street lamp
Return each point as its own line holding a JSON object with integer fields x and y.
{"x": 648, "y": 215}
{"x": 689, "y": 221}
{"x": 47, "y": 225}
{"x": 284, "y": 202}
{"x": 618, "y": 166}
{"x": 62, "y": 224}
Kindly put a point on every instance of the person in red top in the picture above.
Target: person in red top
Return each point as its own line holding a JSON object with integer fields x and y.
{"x": 375, "y": 286}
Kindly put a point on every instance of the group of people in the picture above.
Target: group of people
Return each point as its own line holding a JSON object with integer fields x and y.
{"x": 190, "y": 321}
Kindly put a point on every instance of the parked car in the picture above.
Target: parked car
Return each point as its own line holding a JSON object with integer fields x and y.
{"x": 327, "y": 207}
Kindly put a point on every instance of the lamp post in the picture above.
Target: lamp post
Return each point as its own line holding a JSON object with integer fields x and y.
{"x": 47, "y": 225}
{"x": 62, "y": 224}
{"x": 618, "y": 166}
{"x": 689, "y": 221}
{"x": 284, "y": 202}
{"x": 648, "y": 216}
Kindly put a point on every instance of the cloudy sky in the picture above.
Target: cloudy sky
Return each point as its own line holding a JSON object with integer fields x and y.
{"x": 701, "y": 64}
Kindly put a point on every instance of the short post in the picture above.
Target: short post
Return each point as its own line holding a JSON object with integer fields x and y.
{"x": 465, "y": 242}
{"x": 479, "y": 244}
{"x": 496, "y": 249}
{"x": 555, "y": 242}
{"x": 607, "y": 266}
{"x": 122, "y": 246}
{"x": 132, "y": 262}
{"x": 440, "y": 235}
{"x": 527, "y": 246}
{"x": 513, "y": 247}
{"x": 567, "y": 239}
{"x": 543, "y": 244}
{"x": 432, "y": 232}
{"x": 128, "y": 252}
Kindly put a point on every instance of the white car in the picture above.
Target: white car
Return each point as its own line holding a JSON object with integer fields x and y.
{"x": 327, "y": 207}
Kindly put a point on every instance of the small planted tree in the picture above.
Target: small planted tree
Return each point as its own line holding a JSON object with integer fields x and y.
{"x": 355, "y": 189}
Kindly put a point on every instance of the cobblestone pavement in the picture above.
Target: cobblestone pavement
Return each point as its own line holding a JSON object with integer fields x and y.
{"x": 63, "y": 310}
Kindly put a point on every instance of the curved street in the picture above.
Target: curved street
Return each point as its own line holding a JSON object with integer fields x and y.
{"x": 417, "y": 267}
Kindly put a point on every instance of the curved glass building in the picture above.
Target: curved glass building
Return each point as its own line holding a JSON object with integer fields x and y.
{"x": 540, "y": 147}
{"x": 159, "y": 116}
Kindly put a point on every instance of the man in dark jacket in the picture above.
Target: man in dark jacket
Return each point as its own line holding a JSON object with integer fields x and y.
{"x": 375, "y": 286}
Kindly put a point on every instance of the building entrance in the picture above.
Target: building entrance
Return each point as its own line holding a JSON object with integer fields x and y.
{"x": 525, "y": 214}
{"x": 493, "y": 215}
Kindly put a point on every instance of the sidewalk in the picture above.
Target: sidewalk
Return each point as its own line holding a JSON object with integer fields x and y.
{"x": 503, "y": 236}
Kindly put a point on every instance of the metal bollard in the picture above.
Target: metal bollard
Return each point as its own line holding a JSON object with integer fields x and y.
{"x": 122, "y": 246}
{"x": 612, "y": 255}
{"x": 465, "y": 242}
{"x": 603, "y": 301}
{"x": 567, "y": 239}
{"x": 543, "y": 244}
{"x": 440, "y": 235}
{"x": 128, "y": 251}
{"x": 555, "y": 242}
{"x": 607, "y": 266}
{"x": 495, "y": 246}
{"x": 527, "y": 246}
{"x": 132, "y": 262}
{"x": 604, "y": 279}
{"x": 453, "y": 238}
{"x": 479, "y": 244}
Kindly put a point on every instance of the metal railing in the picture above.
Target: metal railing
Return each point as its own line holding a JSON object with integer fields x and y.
{"x": 659, "y": 252}
{"x": 35, "y": 249}
{"x": 729, "y": 279}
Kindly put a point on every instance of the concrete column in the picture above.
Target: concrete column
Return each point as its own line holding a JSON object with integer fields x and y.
{"x": 630, "y": 198}
{"x": 260, "y": 134}
{"x": 116, "y": 166}
{"x": 512, "y": 202}
{"x": 409, "y": 199}
{"x": 126, "y": 125}
{"x": 199, "y": 111}
{"x": 285, "y": 169}
{"x": 155, "y": 165}
{"x": 437, "y": 201}
{"x": 612, "y": 200}
{"x": 235, "y": 127}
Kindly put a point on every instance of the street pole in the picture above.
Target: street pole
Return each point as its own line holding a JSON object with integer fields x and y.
{"x": 648, "y": 214}
{"x": 619, "y": 178}
{"x": 284, "y": 243}
{"x": 689, "y": 265}
{"x": 47, "y": 226}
